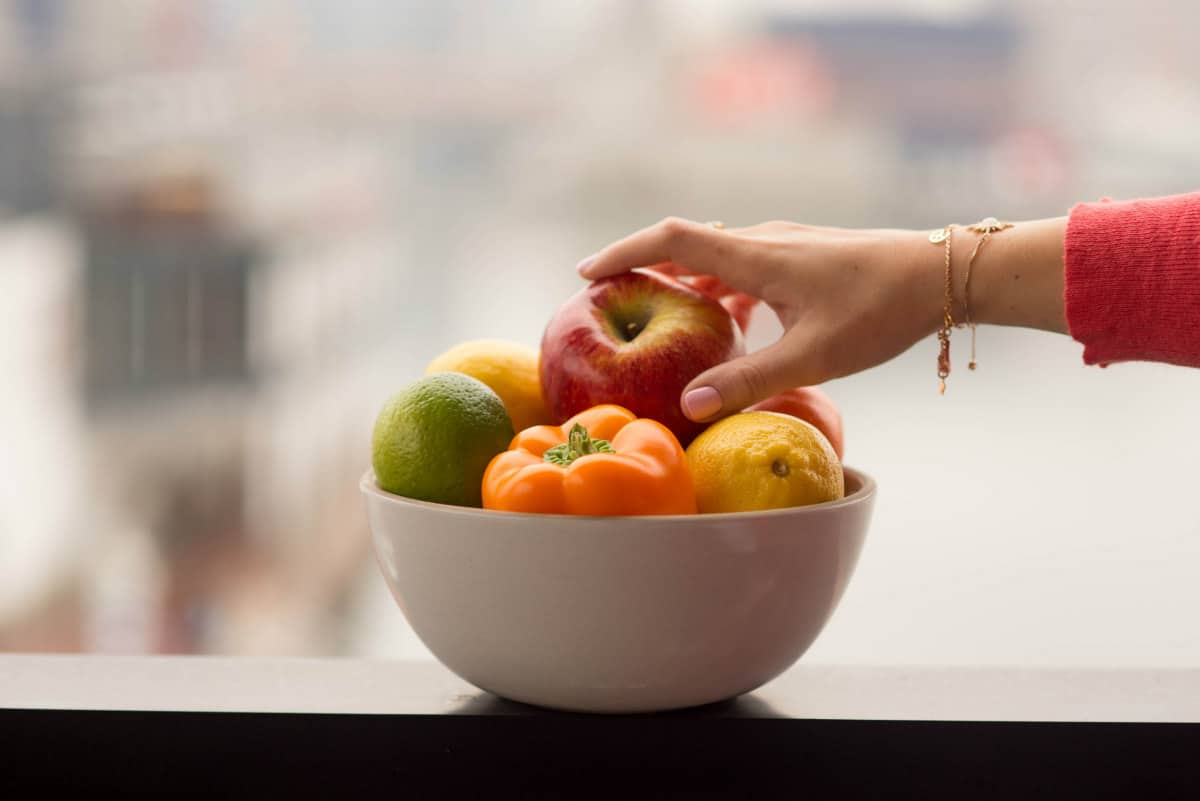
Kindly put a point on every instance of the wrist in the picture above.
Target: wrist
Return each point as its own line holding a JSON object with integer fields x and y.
{"x": 1017, "y": 277}
{"x": 924, "y": 277}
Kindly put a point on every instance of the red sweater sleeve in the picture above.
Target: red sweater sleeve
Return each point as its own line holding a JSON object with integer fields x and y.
{"x": 1132, "y": 280}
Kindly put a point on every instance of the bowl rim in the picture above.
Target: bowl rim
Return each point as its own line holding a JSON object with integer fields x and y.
{"x": 864, "y": 493}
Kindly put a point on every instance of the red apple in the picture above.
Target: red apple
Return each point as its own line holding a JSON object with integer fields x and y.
{"x": 812, "y": 406}
{"x": 635, "y": 340}
{"x": 739, "y": 304}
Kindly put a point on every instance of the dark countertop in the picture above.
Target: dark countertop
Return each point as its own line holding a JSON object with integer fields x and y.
{"x": 350, "y": 728}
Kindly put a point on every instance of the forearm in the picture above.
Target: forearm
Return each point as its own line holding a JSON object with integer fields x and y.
{"x": 1016, "y": 278}
{"x": 1123, "y": 279}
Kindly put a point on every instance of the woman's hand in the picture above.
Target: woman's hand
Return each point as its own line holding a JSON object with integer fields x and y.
{"x": 848, "y": 299}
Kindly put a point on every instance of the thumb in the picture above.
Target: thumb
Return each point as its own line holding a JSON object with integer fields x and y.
{"x": 731, "y": 387}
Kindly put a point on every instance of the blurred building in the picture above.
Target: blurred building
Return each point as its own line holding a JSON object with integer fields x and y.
{"x": 229, "y": 230}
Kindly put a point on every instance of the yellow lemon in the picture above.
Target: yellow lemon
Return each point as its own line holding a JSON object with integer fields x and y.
{"x": 511, "y": 370}
{"x": 763, "y": 460}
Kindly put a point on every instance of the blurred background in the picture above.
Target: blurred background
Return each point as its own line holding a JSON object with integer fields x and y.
{"x": 228, "y": 231}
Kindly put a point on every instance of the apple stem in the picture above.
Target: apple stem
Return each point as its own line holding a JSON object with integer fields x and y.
{"x": 578, "y": 444}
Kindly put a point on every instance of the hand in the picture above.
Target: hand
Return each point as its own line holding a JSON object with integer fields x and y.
{"x": 848, "y": 299}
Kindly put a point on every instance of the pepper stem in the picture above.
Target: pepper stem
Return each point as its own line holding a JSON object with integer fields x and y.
{"x": 578, "y": 444}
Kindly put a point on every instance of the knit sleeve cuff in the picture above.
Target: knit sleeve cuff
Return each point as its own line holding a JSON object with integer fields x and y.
{"x": 1132, "y": 280}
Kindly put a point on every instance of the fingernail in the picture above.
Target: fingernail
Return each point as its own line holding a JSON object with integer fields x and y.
{"x": 581, "y": 268}
{"x": 701, "y": 403}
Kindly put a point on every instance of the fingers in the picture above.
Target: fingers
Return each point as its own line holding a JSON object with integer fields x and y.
{"x": 737, "y": 384}
{"x": 695, "y": 247}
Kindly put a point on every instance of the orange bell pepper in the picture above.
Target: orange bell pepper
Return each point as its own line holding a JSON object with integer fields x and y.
{"x": 603, "y": 461}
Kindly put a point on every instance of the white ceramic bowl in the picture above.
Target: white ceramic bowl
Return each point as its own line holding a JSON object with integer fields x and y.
{"x": 618, "y": 614}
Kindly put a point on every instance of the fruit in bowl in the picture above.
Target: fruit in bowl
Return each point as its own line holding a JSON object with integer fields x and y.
{"x": 763, "y": 460}
{"x": 618, "y": 614}
{"x": 603, "y": 461}
{"x": 510, "y": 369}
{"x": 635, "y": 340}
{"x": 610, "y": 569}
{"x": 813, "y": 406}
{"x": 434, "y": 438}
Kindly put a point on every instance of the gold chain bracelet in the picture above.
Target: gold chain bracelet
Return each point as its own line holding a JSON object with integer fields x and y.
{"x": 945, "y": 235}
{"x": 985, "y": 227}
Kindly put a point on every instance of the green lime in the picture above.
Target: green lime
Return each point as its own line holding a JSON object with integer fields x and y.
{"x": 434, "y": 438}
